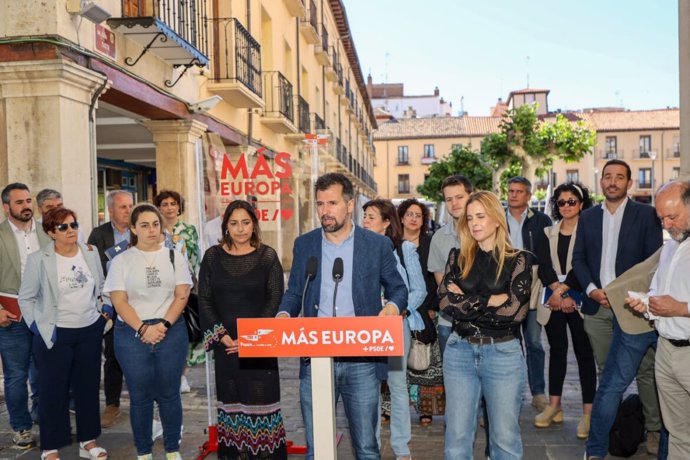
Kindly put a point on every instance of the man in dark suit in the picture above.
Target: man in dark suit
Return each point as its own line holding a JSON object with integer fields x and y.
{"x": 105, "y": 237}
{"x": 611, "y": 238}
{"x": 368, "y": 264}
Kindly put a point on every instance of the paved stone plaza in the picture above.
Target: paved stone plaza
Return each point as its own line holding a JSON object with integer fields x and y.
{"x": 555, "y": 443}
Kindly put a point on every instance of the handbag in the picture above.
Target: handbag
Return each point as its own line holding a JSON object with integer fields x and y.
{"x": 427, "y": 335}
{"x": 190, "y": 312}
{"x": 419, "y": 358}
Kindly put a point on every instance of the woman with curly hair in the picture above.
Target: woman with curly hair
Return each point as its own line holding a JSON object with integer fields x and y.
{"x": 486, "y": 290}
{"x": 560, "y": 311}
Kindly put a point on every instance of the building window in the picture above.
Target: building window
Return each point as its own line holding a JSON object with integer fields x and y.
{"x": 429, "y": 151}
{"x": 456, "y": 147}
{"x": 645, "y": 146}
{"x": 572, "y": 175}
{"x": 644, "y": 178}
{"x": 675, "y": 172}
{"x": 403, "y": 183}
{"x": 403, "y": 157}
{"x": 611, "y": 148}
{"x": 676, "y": 147}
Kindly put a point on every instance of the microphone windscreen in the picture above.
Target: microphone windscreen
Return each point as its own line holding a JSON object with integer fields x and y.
{"x": 312, "y": 266}
{"x": 338, "y": 268}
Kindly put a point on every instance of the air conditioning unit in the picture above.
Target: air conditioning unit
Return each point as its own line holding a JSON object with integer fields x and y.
{"x": 88, "y": 9}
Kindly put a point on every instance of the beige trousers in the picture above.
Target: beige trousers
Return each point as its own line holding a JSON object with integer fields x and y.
{"x": 673, "y": 383}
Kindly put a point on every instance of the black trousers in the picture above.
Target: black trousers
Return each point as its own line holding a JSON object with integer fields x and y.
{"x": 556, "y": 332}
{"x": 73, "y": 362}
{"x": 112, "y": 373}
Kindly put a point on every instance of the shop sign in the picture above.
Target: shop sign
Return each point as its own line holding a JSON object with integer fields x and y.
{"x": 322, "y": 337}
{"x": 105, "y": 41}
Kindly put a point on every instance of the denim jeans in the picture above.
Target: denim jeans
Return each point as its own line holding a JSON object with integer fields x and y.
{"x": 15, "y": 351}
{"x": 356, "y": 382}
{"x": 625, "y": 354}
{"x": 443, "y": 334}
{"x": 496, "y": 371}
{"x": 153, "y": 373}
{"x": 531, "y": 331}
{"x": 401, "y": 431}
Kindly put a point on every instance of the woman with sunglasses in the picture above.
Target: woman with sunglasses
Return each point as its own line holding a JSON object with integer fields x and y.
{"x": 149, "y": 286}
{"x": 560, "y": 310}
{"x": 58, "y": 298}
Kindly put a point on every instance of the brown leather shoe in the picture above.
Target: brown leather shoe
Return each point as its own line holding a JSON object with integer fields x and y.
{"x": 110, "y": 415}
{"x": 653, "y": 438}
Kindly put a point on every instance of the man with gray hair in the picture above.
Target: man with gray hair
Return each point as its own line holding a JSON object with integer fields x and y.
{"x": 48, "y": 199}
{"x": 667, "y": 304}
{"x": 111, "y": 239}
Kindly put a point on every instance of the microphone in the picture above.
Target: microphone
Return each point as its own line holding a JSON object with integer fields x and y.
{"x": 312, "y": 265}
{"x": 337, "y": 277}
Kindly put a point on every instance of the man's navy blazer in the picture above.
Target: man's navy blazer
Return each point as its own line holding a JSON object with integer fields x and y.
{"x": 375, "y": 266}
{"x": 640, "y": 236}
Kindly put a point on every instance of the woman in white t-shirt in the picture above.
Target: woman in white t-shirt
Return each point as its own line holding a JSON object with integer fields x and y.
{"x": 59, "y": 301}
{"x": 149, "y": 287}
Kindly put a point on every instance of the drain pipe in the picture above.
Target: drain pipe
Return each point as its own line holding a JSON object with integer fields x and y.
{"x": 250, "y": 117}
{"x": 92, "y": 146}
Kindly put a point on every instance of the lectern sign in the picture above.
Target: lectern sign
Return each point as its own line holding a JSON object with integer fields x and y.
{"x": 344, "y": 336}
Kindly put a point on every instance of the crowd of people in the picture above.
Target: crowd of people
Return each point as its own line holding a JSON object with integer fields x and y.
{"x": 477, "y": 292}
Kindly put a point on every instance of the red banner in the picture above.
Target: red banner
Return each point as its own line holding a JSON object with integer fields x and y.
{"x": 325, "y": 337}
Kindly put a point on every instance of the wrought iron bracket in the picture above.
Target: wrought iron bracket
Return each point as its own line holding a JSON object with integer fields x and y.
{"x": 130, "y": 62}
{"x": 170, "y": 84}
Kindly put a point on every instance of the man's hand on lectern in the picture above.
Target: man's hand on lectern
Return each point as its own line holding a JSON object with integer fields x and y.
{"x": 389, "y": 310}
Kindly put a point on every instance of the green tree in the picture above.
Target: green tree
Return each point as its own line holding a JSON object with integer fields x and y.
{"x": 461, "y": 160}
{"x": 533, "y": 144}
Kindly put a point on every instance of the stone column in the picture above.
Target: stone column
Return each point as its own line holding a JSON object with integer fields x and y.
{"x": 178, "y": 158}
{"x": 684, "y": 67}
{"x": 45, "y": 132}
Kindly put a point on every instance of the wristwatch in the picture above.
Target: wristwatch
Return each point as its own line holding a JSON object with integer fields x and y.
{"x": 166, "y": 323}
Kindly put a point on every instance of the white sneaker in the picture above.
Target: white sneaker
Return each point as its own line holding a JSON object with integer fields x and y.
{"x": 184, "y": 385}
{"x": 156, "y": 430}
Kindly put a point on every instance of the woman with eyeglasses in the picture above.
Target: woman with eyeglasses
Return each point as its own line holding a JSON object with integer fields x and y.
{"x": 426, "y": 387}
{"x": 380, "y": 217}
{"x": 560, "y": 309}
{"x": 149, "y": 286}
{"x": 486, "y": 290}
{"x": 59, "y": 301}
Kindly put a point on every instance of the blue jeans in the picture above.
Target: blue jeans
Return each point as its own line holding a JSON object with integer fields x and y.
{"x": 443, "y": 334}
{"x": 531, "y": 331}
{"x": 498, "y": 372}
{"x": 625, "y": 354}
{"x": 356, "y": 382}
{"x": 15, "y": 351}
{"x": 153, "y": 373}
{"x": 401, "y": 431}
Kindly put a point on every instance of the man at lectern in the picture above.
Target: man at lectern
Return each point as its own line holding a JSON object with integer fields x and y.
{"x": 344, "y": 270}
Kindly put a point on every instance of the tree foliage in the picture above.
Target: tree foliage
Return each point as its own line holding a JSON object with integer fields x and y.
{"x": 461, "y": 160}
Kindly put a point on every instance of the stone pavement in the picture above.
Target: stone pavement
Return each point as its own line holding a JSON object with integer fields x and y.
{"x": 555, "y": 443}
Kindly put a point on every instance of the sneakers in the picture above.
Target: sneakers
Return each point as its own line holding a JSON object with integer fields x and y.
{"x": 173, "y": 456}
{"x": 110, "y": 416}
{"x": 652, "y": 443}
{"x": 549, "y": 415}
{"x": 540, "y": 402}
{"x": 184, "y": 385}
{"x": 145, "y": 457}
{"x": 23, "y": 439}
{"x": 583, "y": 427}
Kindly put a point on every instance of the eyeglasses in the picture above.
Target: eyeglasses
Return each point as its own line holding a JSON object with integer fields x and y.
{"x": 570, "y": 202}
{"x": 410, "y": 215}
{"x": 63, "y": 227}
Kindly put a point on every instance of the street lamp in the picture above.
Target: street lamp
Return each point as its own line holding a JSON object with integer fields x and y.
{"x": 596, "y": 181}
{"x": 652, "y": 155}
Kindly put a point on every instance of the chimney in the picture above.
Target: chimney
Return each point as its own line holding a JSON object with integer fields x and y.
{"x": 436, "y": 91}
{"x": 370, "y": 84}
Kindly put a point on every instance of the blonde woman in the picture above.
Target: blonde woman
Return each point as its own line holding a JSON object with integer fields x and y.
{"x": 486, "y": 290}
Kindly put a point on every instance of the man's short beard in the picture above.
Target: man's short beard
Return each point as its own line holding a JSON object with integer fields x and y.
{"x": 20, "y": 217}
{"x": 334, "y": 227}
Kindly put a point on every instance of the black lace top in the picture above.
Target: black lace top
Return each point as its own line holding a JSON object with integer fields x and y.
{"x": 470, "y": 311}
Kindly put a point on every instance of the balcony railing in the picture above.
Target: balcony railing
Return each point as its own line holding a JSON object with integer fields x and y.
{"x": 611, "y": 155}
{"x": 324, "y": 38}
{"x": 303, "y": 110}
{"x": 644, "y": 185}
{"x": 240, "y": 55}
{"x": 279, "y": 97}
{"x": 174, "y": 30}
{"x": 312, "y": 15}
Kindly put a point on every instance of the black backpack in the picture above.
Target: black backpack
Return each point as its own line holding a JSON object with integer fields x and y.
{"x": 628, "y": 430}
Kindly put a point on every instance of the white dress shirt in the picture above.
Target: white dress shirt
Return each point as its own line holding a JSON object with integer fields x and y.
{"x": 610, "y": 230}
{"x": 27, "y": 242}
{"x": 671, "y": 278}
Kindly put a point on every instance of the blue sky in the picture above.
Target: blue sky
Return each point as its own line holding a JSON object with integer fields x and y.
{"x": 589, "y": 53}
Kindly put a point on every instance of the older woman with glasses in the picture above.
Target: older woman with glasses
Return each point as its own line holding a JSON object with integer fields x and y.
{"x": 486, "y": 289}
{"x": 59, "y": 301}
{"x": 560, "y": 311}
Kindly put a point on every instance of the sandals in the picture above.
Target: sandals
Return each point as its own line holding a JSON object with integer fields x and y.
{"x": 425, "y": 420}
{"x": 94, "y": 453}
{"x": 385, "y": 418}
{"x": 45, "y": 454}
